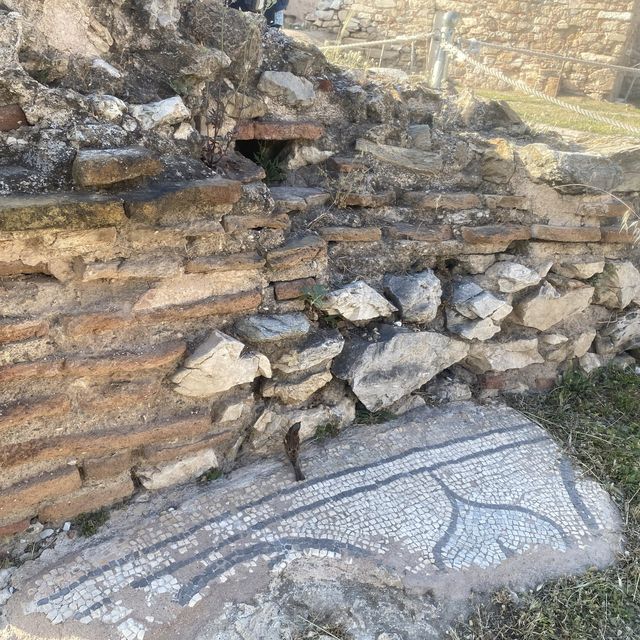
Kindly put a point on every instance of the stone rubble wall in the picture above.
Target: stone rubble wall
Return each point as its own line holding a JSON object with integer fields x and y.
{"x": 159, "y": 319}
{"x": 599, "y": 31}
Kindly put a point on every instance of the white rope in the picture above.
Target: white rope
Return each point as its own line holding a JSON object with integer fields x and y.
{"x": 551, "y": 56}
{"x": 364, "y": 45}
{"x": 460, "y": 55}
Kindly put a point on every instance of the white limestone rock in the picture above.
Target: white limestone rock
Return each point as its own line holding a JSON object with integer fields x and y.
{"x": 268, "y": 329}
{"x": 178, "y": 472}
{"x": 402, "y": 361}
{"x": 108, "y": 107}
{"x": 623, "y": 334}
{"x": 510, "y": 277}
{"x": 618, "y": 286}
{"x": 319, "y": 350}
{"x": 164, "y": 112}
{"x": 218, "y": 365}
{"x": 417, "y": 295}
{"x": 579, "y": 268}
{"x": 583, "y": 343}
{"x": 483, "y": 329}
{"x": 295, "y": 91}
{"x": 357, "y": 302}
{"x": 591, "y": 361}
{"x": 548, "y": 306}
{"x": 503, "y": 356}
{"x": 298, "y": 390}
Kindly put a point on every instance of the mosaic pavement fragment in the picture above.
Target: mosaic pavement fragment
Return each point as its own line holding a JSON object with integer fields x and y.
{"x": 442, "y": 495}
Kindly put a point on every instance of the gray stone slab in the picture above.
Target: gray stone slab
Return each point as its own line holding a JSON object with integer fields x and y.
{"x": 409, "y": 515}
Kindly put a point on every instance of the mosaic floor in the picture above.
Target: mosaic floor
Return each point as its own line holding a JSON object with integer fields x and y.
{"x": 464, "y": 489}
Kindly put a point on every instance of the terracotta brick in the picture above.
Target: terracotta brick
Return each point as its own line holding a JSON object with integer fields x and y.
{"x": 495, "y": 234}
{"x": 100, "y": 443}
{"x": 235, "y": 224}
{"x": 616, "y": 235}
{"x": 12, "y": 528}
{"x": 233, "y": 262}
{"x": 21, "y": 500}
{"x": 164, "y": 355}
{"x": 506, "y": 202}
{"x": 68, "y": 211}
{"x": 181, "y": 200}
{"x": 107, "y": 466}
{"x": 351, "y": 234}
{"x": 28, "y": 370}
{"x": 21, "y": 414}
{"x": 87, "y": 323}
{"x": 16, "y": 329}
{"x": 423, "y": 233}
{"x": 293, "y": 288}
{"x": 157, "y": 454}
{"x": 296, "y": 252}
{"x": 554, "y": 233}
{"x": 124, "y": 395}
{"x": 603, "y": 208}
{"x": 281, "y": 130}
{"x": 367, "y": 199}
{"x": 12, "y": 117}
{"x": 91, "y": 497}
{"x": 446, "y": 201}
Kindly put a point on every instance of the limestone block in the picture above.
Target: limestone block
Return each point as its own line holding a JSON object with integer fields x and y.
{"x": 498, "y": 162}
{"x": 473, "y": 302}
{"x": 189, "y": 468}
{"x": 583, "y": 343}
{"x": 298, "y": 390}
{"x": 618, "y": 286}
{"x": 417, "y": 295}
{"x": 107, "y": 107}
{"x": 294, "y": 90}
{"x": 624, "y": 333}
{"x": 97, "y": 167}
{"x": 483, "y": 329}
{"x": 10, "y": 38}
{"x": 268, "y": 329}
{"x": 579, "y": 268}
{"x": 217, "y": 365}
{"x": 381, "y": 373}
{"x": 410, "y": 159}
{"x": 164, "y": 112}
{"x": 357, "y": 302}
{"x": 420, "y": 136}
{"x": 548, "y": 306}
{"x": 510, "y": 277}
{"x": 503, "y": 356}
{"x": 589, "y": 362}
{"x": 318, "y": 350}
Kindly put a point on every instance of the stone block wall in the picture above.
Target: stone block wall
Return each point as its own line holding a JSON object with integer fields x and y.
{"x": 601, "y": 31}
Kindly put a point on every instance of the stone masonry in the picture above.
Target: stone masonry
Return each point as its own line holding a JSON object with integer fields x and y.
{"x": 600, "y": 31}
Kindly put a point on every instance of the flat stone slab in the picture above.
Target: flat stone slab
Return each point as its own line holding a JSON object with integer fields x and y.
{"x": 413, "y": 513}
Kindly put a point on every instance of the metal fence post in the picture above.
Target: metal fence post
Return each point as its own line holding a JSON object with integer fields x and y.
{"x": 440, "y": 57}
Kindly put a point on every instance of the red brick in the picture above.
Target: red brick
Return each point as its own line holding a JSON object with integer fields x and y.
{"x": 132, "y": 393}
{"x": 107, "y": 466}
{"x": 233, "y": 262}
{"x": 12, "y": 117}
{"x": 16, "y": 329}
{"x": 506, "y": 202}
{"x": 495, "y": 233}
{"x": 157, "y": 454}
{"x": 553, "y": 233}
{"x": 100, "y": 443}
{"x": 346, "y": 165}
{"x": 296, "y": 252}
{"x": 28, "y": 370}
{"x": 22, "y": 414}
{"x": 439, "y": 201}
{"x": 164, "y": 355}
{"x": 88, "y": 323}
{"x": 91, "y": 497}
{"x": 423, "y": 233}
{"x": 281, "y": 130}
{"x": 234, "y": 224}
{"x": 12, "y": 528}
{"x": 616, "y": 235}
{"x": 351, "y": 234}
{"x": 367, "y": 199}
{"x": 21, "y": 500}
{"x": 293, "y": 288}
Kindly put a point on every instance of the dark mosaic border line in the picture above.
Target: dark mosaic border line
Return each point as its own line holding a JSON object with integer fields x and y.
{"x": 134, "y": 555}
{"x": 569, "y": 480}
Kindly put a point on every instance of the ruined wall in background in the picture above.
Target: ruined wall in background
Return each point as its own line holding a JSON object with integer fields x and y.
{"x": 596, "y": 30}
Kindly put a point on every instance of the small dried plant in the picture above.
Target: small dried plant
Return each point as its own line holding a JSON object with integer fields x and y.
{"x": 216, "y": 144}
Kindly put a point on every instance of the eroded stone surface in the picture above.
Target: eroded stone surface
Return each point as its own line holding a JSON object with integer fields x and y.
{"x": 417, "y": 295}
{"x": 357, "y": 302}
{"x": 470, "y": 495}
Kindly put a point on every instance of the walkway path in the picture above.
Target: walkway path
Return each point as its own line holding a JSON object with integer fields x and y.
{"x": 436, "y": 500}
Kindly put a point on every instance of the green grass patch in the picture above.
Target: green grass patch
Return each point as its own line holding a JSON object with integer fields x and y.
{"x": 211, "y": 475}
{"x": 364, "y": 416}
{"x": 596, "y": 419}
{"x": 540, "y": 113}
{"x": 89, "y": 523}
{"x": 328, "y": 430}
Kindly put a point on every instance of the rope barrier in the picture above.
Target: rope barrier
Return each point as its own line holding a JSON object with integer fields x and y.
{"x": 364, "y": 45}
{"x": 550, "y": 56}
{"x": 461, "y": 56}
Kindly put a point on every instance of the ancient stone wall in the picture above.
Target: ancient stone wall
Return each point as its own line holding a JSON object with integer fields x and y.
{"x": 601, "y": 31}
{"x": 160, "y": 318}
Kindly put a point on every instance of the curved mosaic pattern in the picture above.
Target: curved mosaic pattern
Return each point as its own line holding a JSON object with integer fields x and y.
{"x": 443, "y": 491}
